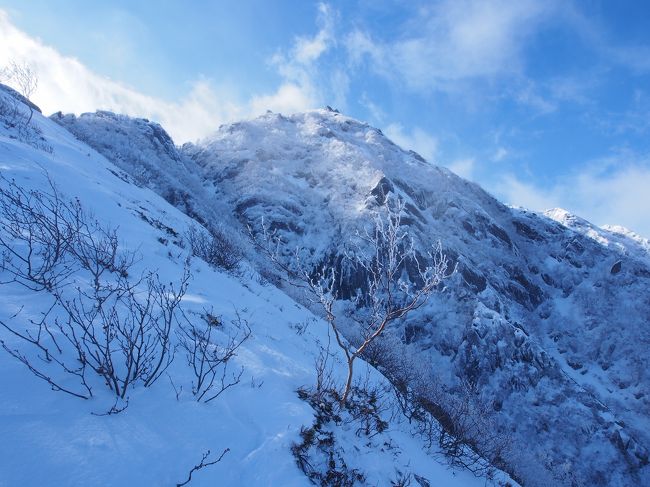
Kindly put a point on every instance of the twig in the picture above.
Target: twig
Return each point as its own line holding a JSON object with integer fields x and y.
{"x": 203, "y": 464}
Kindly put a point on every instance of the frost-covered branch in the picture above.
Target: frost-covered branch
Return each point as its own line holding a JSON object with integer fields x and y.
{"x": 382, "y": 253}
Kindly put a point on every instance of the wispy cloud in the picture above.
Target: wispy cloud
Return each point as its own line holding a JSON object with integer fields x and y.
{"x": 635, "y": 119}
{"x": 500, "y": 154}
{"x": 609, "y": 191}
{"x": 288, "y": 98}
{"x": 632, "y": 55}
{"x": 416, "y": 139}
{"x": 68, "y": 85}
{"x": 300, "y": 68}
{"x": 635, "y": 57}
{"x": 530, "y": 96}
{"x": 374, "y": 111}
{"x": 455, "y": 40}
{"x": 463, "y": 167}
{"x": 308, "y": 49}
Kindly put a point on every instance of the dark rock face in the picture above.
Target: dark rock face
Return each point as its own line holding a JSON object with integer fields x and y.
{"x": 381, "y": 191}
{"x": 526, "y": 231}
{"x": 474, "y": 280}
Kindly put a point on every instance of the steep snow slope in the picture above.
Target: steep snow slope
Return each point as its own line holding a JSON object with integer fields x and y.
{"x": 548, "y": 321}
{"x": 50, "y": 438}
{"x": 626, "y": 241}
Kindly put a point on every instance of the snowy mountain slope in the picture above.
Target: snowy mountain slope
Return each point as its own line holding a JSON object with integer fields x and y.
{"x": 548, "y": 321}
{"x": 50, "y": 438}
{"x": 148, "y": 155}
{"x": 561, "y": 304}
{"x": 627, "y": 241}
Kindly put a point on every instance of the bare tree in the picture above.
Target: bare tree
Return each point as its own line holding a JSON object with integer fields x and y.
{"x": 208, "y": 359}
{"x": 37, "y": 233}
{"x": 25, "y": 78}
{"x": 213, "y": 247}
{"x": 382, "y": 254}
{"x": 105, "y": 320}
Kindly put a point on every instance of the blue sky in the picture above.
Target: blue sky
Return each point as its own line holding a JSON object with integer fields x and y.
{"x": 544, "y": 103}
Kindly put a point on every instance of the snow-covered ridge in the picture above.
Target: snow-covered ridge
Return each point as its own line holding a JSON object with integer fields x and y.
{"x": 53, "y": 439}
{"x": 547, "y": 315}
{"x": 613, "y": 236}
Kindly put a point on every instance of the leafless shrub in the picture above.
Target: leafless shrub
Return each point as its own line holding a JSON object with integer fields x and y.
{"x": 10, "y": 110}
{"x": 454, "y": 422}
{"x": 121, "y": 331}
{"x": 214, "y": 247}
{"x": 321, "y": 459}
{"x": 471, "y": 438}
{"x": 177, "y": 390}
{"x": 114, "y": 409}
{"x": 37, "y": 232}
{"x": 403, "y": 479}
{"x": 318, "y": 453}
{"x": 49, "y": 355}
{"x": 324, "y": 380}
{"x": 366, "y": 407}
{"x": 109, "y": 323}
{"x": 208, "y": 359}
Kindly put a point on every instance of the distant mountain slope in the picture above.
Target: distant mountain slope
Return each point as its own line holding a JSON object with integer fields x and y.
{"x": 548, "y": 321}
{"x": 147, "y": 153}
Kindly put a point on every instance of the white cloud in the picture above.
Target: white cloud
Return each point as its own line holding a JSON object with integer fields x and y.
{"x": 67, "y": 85}
{"x": 635, "y": 57}
{"x": 456, "y": 40}
{"x": 530, "y": 96}
{"x": 308, "y": 50}
{"x": 359, "y": 44}
{"x": 375, "y": 112}
{"x": 611, "y": 192}
{"x": 463, "y": 167}
{"x": 500, "y": 154}
{"x": 514, "y": 191}
{"x": 417, "y": 140}
{"x": 289, "y": 98}
{"x": 303, "y": 86}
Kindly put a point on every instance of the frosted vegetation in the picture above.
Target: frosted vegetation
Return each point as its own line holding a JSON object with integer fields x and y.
{"x": 185, "y": 304}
